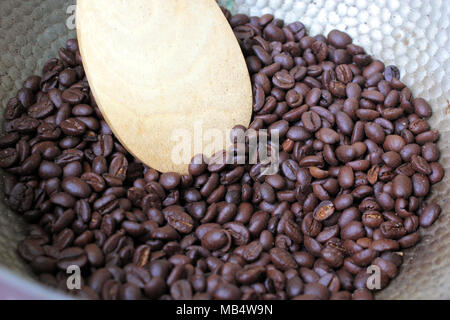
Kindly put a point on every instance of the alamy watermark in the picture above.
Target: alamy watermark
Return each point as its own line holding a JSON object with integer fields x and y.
{"x": 71, "y": 22}
{"x": 74, "y": 279}
{"x": 374, "y": 281}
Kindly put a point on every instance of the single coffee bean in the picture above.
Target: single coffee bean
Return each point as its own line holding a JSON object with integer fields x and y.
{"x": 402, "y": 186}
{"x": 76, "y": 187}
{"x": 324, "y": 210}
{"x": 339, "y": 39}
{"x": 178, "y": 219}
{"x": 216, "y": 239}
{"x": 429, "y": 214}
{"x": 282, "y": 259}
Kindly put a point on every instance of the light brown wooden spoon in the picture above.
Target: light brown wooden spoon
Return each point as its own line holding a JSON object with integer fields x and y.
{"x": 160, "y": 71}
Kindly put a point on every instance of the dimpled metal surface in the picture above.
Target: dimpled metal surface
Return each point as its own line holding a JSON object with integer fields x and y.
{"x": 412, "y": 34}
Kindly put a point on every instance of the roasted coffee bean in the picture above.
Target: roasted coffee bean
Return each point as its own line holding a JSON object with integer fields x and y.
{"x": 8, "y": 157}
{"x": 402, "y": 186}
{"x": 238, "y": 232}
{"x": 62, "y": 199}
{"x": 227, "y": 291}
{"x": 293, "y": 231}
{"x": 333, "y": 257}
{"x": 429, "y": 215}
{"x": 392, "y": 229}
{"x": 344, "y": 73}
{"x": 282, "y": 259}
{"x": 178, "y": 219}
{"x": 216, "y": 239}
{"x": 41, "y": 109}
{"x": 181, "y": 290}
{"x": 311, "y": 121}
{"x": 71, "y": 256}
{"x": 73, "y": 127}
{"x": 9, "y": 140}
{"x": 420, "y": 165}
{"x": 95, "y": 181}
{"x": 94, "y": 255}
{"x": 437, "y": 172}
{"x": 283, "y": 80}
{"x": 328, "y": 136}
{"x": 421, "y": 108}
{"x": 352, "y": 231}
{"x": 76, "y": 187}
{"x": 43, "y": 264}
{"x": 252, "y": 251}
{"x": 324, "y": 210}
{"x": 169, "y": 180}
{"x": 339, "y": 39}
{"x": 430, "y": 152}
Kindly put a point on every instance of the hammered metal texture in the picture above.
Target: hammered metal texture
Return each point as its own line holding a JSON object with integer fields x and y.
{"x": 412, "y": 34}
{"x": 32, "y": 31}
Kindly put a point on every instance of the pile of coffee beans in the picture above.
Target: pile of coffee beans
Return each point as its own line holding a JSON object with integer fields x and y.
{"x": 358, "y": 158}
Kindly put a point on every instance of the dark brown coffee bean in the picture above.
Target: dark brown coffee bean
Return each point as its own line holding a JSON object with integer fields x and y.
{"x": 94, "y": 255}
{"x": 394, "y": 143}
{"x": 8, "y": 157}
{"x": 402, "y": 186}
{"x": 281, "y": 127}
{"x": 344, "y": 123}
{"x": 339, "y": 39}
{"x": 181, "y": 290}
{"x": 43, "y": 264}
{"x": 421, "y": 185}
{"x": 273, "y": 33}
{"x": 24, "y": 124}
{"x": 76, "y": 187}
{"x": 352, "y": 230}
{"x": 337, "y": 88}
{"x": 297, "y": 133}
{"x": 95, "y": 181}
{"x": 430, "y": 152}
{"x": 14, "y": 109}
{"x": 71, "y": 256}
{"x": 73, "y": 127}
{"x": 375, "y": 132}
{"x": 252, "y": 251}
{"x": 41, "y": 109}
{"x": 344, "y": 73}
{"x": 283, "y": 80}
{"x": 32, "y": 83}
{"x": 429, "y": 214}
{"x": 437, "y": 172}
{"x": 422, "y": 108}
{"x": 62, "y": 199}
{"x": 293, "y": 231}
{"x": 327, "y": 136}
{"x": 282, "y": 259}
{"x": 217, "y": 239}
{"x": 420, "y": 165}
{"x": 333, "y": 257}
{"x": 324, "y": 210}
{"x": 227, "y": 292}
{"x": 392, "y": 230}
{"x": 9, "y": 139}
{"x": 178, "y": 219}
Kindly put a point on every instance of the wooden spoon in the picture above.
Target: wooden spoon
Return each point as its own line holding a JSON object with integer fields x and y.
{"x": 162, "y": 71}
